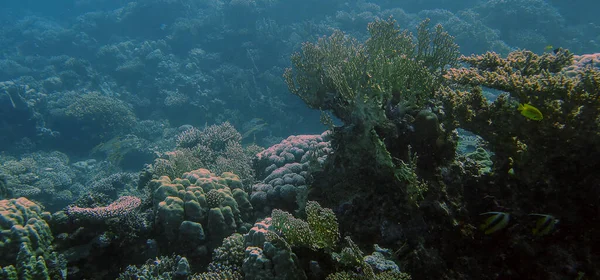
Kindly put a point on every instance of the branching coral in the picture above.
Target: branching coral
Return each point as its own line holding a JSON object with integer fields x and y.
{"x": 217, "y": 147}
{"x": 320, "y": 231}
{"x": 357, "y": 82}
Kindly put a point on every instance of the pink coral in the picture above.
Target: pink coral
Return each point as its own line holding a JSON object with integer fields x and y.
{"x": 122, "y": 206}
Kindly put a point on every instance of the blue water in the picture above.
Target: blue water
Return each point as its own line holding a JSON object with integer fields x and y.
{"x": 91, "y": 88}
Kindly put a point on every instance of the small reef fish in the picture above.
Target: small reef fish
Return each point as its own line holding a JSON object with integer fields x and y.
{"x": 496, "y": 222}
{"x": 545, "y": 224}
{"x": 530, "y": 112}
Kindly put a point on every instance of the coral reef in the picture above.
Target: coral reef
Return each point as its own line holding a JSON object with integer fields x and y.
{"x": 539, "y": 166}
{"x": 284, "y": 169}
{"x": 531, "y": 149}
{"x": 162, "y": 268}
{"x": 200, "y": 204}
{"x": 115, "y": 85}
{"x": 320, "y": 231}
{"x": 23, "y": 222}
{"x": 25, "y": 242}
{"x": 269, "y": 257}
{"x": 217, "y": 148}
{"x": 98, "y": 118}
{"x": 371, "y": 86}
{"x": 122, "y": 206}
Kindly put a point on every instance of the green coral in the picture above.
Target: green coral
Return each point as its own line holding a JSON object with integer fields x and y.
{"x": 161, "y": 268}
{"x": 320, "y": 231}
{"x": 407, "y": 172}
{"x": 386, "y": 275}
{"x": 358, "y": 81}
{"x": 227, "y": 260}
{"x": 230, "y": 254}
{"x": 323, "y": 224}
{"x": 221, "y": 275}
{"x": 296, "y": 231}
{"x": 28, "y": 266}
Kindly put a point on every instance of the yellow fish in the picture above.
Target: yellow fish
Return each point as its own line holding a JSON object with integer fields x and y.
{"x": 530, "y": 112}
{"x": 496, "y": 222}
{"x": 544, "y": 225}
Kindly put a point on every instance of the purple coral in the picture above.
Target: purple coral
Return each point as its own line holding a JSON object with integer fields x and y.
{"x": 120, "y": 207}
{"x": 284, "y": 168}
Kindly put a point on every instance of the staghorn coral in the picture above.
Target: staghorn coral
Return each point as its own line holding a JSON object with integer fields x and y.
{"x": 189, "y": 138}
{"x": 355, "y": 81}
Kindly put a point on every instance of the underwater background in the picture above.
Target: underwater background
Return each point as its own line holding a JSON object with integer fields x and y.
{"x": 299, "y": 139}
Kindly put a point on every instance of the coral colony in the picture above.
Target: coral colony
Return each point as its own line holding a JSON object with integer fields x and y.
{"x": 276, "y": 140}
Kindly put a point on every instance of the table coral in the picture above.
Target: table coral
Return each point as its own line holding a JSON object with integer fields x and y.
{"x": 566, "y": 94}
